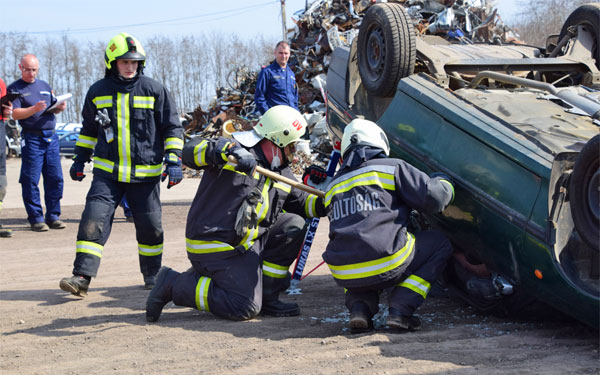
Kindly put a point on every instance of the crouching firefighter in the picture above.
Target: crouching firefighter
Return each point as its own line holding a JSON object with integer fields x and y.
{"x": 238, "y": 239}
{"x": 131, "y": 126}
{"x": 368, "y": 204}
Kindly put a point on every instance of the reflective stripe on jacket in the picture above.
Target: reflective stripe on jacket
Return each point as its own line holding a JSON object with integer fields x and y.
{"x": 210, "y": 229}
{"x": 368, "y": 207}
{"x": 144, "y": 125}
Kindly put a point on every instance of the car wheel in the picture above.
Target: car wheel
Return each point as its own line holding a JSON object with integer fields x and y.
{"x": 587, "y": 15}
{"x": 584, "y": 193}
{"x": 386, "y": 48}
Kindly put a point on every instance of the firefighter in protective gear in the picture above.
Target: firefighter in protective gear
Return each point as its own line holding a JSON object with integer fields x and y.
{"x": 132, "y": 130}
{"x": 368, "y": 203}
{"x": 238, "y": 239}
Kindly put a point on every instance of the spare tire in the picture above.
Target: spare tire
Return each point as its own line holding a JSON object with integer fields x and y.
{"x": 584, "y": 193}
{"x": 386, "y": 48}
{"x": 587, "y": 15}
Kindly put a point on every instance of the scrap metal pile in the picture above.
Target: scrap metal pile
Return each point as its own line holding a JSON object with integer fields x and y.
{"x": 320, "y": 28}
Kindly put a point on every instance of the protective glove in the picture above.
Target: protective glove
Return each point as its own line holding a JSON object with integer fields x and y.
{"x": 446, "y": 179}
{"x": 245, "y": 160}
{"x": 76, "y": 171}
{"x": 247, "y": 218}
{"x": 173, "y": 170}
{"x": 315, "y": 173}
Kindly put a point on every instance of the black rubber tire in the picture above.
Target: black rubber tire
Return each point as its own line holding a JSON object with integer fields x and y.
{"x": 386, "y": 48}
{"x": 587, "y": 15}
{"x": 584, "y": 193}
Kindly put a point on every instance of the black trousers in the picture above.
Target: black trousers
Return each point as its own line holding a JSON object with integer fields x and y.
{"x": 235, "y": 287}
{"x": 408, "y": 291}
{"x": 97, "y": 218}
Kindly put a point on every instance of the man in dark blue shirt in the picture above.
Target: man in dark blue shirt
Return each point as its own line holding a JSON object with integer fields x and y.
{"x": 276, "y": 83}
{"x": 39, "y": 152}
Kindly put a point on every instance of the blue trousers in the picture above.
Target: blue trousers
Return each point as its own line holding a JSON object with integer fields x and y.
{"x": 41, "y": 156}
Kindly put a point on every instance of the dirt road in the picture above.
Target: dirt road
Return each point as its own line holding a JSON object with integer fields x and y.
{"x": 46, "y": 331}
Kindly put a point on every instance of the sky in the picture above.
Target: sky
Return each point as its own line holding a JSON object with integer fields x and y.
{"x": 101, "y": 20}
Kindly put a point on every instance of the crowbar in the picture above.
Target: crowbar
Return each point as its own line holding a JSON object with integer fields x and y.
{"x": 280, "y": 178}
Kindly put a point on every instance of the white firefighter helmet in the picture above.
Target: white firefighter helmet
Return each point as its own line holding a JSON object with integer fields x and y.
{"x": 281, "y": 125}
{"x": 364, "y": 132}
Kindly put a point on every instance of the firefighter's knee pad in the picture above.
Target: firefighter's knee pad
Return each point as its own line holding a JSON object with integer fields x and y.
{"x": 241, "y": 308}
{"x": 93, "y": 220}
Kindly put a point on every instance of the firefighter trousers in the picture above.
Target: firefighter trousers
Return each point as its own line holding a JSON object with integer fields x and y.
{"x": 408, "y": 291}
{"x": 97, "y": 218}
{"x": 235, "y": 287}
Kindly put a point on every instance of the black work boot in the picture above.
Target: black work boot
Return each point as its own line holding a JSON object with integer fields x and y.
{"x": 361, "y": 319}
{"x": 76, "y": 285}
{"x": 161, "y": 294}
{"x": 277, "y": 308}
{"x": 401, "y": 323}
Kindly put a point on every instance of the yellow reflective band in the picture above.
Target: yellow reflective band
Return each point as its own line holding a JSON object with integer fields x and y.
{"x": 104, "y": 164}
{"x": 231, "y": 167}
{"x": 102, "y": 101}
{"x": 223, "y": 150}
{"x": 173, "y": 144}
{"x": 0, "y": 205}
{"x": 202, "y": 293}
{"x": 310, "y": 206}
{"x": 383, "y": 180}
{"x": 89, "y": 248}
{"x": 200, "y": 153}
{"x": 148, "y": 170}
{"x": 206, "y": 247}
{"x": 143, "y": 102}
{"x": 282, "y": 186}
{"x": 417, "y": 285}
{"x": 123, "y": 136}
{"x": 274, "y": 270}
{"x": 86, "y": 142}
{"x": 150, "y": 250}
{"x": 374, "y": 267}
{"x": 362, "y": 176}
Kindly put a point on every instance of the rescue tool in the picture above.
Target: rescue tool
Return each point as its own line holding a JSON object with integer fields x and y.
{"x": 285, "y": 180}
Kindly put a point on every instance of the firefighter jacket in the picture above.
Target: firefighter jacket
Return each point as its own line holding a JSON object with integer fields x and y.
{"x": 210, "y": 229}
{"x": 368, "y": 206}
{"x": 144, "y": 126}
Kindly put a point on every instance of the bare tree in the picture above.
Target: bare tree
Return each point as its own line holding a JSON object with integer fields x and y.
{"x": 537, "y": 20}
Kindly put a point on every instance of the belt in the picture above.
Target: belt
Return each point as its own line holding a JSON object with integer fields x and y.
{"x": 39, "y": 133}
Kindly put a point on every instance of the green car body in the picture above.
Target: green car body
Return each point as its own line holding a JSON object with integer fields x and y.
{"x": 509, "y": 152}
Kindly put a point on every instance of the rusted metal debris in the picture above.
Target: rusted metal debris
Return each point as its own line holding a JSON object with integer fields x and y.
{"x": 320, "y": 28}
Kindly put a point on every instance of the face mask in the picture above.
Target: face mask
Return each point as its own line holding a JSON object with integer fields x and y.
{"x": 272, "y": 153}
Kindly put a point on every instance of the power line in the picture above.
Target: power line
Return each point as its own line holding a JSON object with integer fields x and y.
{"x": 220, "y": 14}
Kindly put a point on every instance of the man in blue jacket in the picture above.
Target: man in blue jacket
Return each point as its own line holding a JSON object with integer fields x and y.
{"x": 276, "y": 83}
{"x": 40, "y": 151}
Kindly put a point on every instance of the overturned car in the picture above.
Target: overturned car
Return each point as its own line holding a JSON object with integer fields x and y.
{"x": 517, "y": 129}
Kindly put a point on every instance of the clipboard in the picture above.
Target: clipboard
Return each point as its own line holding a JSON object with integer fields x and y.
{"x": 59, "y": 99}
{"x": 9, "y": 97}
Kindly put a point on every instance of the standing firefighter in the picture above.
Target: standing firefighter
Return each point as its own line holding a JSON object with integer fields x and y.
{"x": 238, "y": 240}
{"x": 368, "y": 203}
{"x": 130, "y": 124}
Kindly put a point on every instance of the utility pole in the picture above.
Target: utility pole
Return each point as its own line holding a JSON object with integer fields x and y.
{"x": 283, "y": 24}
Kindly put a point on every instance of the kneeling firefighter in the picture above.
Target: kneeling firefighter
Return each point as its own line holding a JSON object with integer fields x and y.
{"x": 131, "y": 127}
{"x": 368, "y": 203}
{"x": 238, "y": 239}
